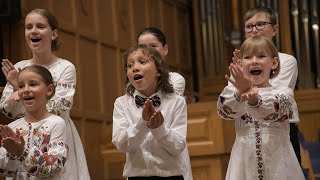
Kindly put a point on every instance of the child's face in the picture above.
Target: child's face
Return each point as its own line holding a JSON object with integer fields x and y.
{"x": 152, "y": 41}
{"x": 33, "y": 92}
{"x": 268, "y": 31}
{"x": 257, "y": 66}
{"x": 38, "y": 33}
{"x": 142, "y": 73}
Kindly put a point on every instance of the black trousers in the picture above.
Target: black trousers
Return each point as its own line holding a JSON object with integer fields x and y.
{"x": 156, "y": 178}
{"x": 295, "y": 141}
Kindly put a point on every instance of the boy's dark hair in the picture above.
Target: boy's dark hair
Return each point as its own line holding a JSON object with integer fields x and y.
{"x": 52, "y": 21}
{"x": 163, "y": 80}
{"x": 43, "y": 72}
{"x": 156, "y": 32}
{"x": 268, "y": 11}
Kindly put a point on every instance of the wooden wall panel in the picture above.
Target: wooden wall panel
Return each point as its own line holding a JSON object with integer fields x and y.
{"x": 170, "y": 30}
{"x": 123, "y": 24}
{"x": 65, "y": 12}
{"x": 32, "y": 4}
{"x": 138, "y": 17}
{"x": 106, "y": 22}
{"x": 309, "y": 113}
{"x": 93, "y": 154}
{"x": 153, "y": 13}
{"x": 86, "y": 17}
{"x": 113, "y": 79}
{"x": 89, "y": 76}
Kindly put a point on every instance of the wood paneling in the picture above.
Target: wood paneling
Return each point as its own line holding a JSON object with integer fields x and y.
{"x": 308, "y": 102}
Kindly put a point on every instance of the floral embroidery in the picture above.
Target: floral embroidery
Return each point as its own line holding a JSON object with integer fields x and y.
{"x": 7, "y": 173}
{"x": 260, "y": 166}
{"x": 247, "y": 118}
{"x": 50, "y": 160}
{"x": 283, "y": 110}
{"x": 223, "y": 110}
{"x": 66, "y": 85}
{"x": 57, "y": 107}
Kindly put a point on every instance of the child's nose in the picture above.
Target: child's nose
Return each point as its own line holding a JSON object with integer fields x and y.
{"x": 135, "y": 68}
{"x": 254, "y": 59}
{"x": 34, "y": 30}
{"x": 26, "y": 89}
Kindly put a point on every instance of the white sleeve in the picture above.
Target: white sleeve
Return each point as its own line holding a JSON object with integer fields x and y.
{"x": 229, "y": 106}
{"x": 275, "y": 106}
{"x": 173, "y": 138}
{"x": 8, "y": 164}
{"x": 64, "y": 92}
{"x": 288, "y": 72}
{"x": 125, "y": 136}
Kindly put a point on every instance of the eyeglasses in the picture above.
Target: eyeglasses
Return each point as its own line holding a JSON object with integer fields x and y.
{"x": 259, "y": 26}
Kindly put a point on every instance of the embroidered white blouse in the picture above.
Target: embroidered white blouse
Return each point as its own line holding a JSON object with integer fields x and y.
{"x": 262, "y": 149}
{"x": 45, "y": 151}
{"x": 64, "y": 76}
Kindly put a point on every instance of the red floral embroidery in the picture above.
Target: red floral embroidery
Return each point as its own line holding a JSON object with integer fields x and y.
{"x": 50, "y": 160}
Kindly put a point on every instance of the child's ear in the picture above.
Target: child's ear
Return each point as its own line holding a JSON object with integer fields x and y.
{"x": 166, "y": 50}
{"x": 55, "y": 34}
{"x": 275, "y": 63}
{"x": 50, "y": 90}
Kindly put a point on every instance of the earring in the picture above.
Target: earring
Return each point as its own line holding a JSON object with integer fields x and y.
{"x": 52, "y": 37}
{"x": 273, "y": 71}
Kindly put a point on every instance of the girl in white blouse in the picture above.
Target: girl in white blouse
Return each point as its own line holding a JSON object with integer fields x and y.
{"x": 42, "y": 37}
{"x": 34, "y": 147}
{"x": 150, "y": 120}
{"x": 262, "y": 149}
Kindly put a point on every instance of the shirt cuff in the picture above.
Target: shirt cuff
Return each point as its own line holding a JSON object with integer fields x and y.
{"x": 160, "y": 131}
{"x": 142, "y": 125}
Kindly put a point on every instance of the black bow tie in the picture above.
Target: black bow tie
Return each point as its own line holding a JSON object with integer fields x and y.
{"x": 140, "y": 100}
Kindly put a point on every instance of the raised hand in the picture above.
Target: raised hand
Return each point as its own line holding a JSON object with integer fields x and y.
{"x": 251, "y": 96}
{"x": 156, "y": 120}
{"x": 148, "y": 110}
{"x": 15, "y": 96}
{"x": 240, "y": 80}
{"x": 10, "y": 73}
{"x": 12, "y": 142}
{"x": 236, "y": 56}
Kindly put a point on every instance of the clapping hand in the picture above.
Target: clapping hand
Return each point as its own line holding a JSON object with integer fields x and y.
{"x": 240, "y": 80}
{"x": 10, "y": 73}
{"x": 236, "y": 56}
{"x": 154, "y": 118}
{"x": 12, "y": 142}
{"x": 148, "y": 110}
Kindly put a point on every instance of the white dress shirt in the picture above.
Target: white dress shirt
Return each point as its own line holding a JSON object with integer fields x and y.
{"x": 288, "y": 71}
{"x": 152, "y": 152}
